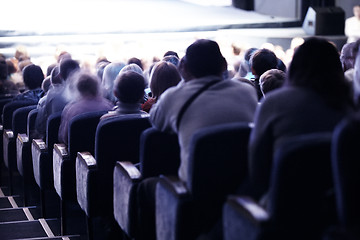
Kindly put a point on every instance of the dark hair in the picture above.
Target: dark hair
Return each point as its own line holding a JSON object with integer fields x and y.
{"x": 33, "y": 76}
{"x": 203, "y": 58}
{"x": 262, "y": 60}
{"x": 136, "y": 61}
{"x": 3, "y": 69}
{"x": 88, "y": 85}
{"x": 164, "y": 75}
{"x": 272, "y": 79}
{"x": 316, "y": 65}
{"x": 67, "y": 67}
{"x": 129, "y": 87}
{"x": 171, "y": 53}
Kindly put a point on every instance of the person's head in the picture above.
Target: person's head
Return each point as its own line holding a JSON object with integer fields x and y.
{"x": 54, "y": 76}
{"x": 262, "y": 60}
{"x": 271, "y": 79}
{"x": 163, "y": 76}
{"x": 110, "y": 73}
{"x": 100, "y": 66}
{"x": 46, "y": 84}
{"x": 348, "y": 55}
{"x": 67, "y": 67}
{"x": 33, "y": 76}
{"x": 316, "y": 65}
{"x": 132, "y": 67}
{"x": 88, "y": 85}
{"x": 171, "y": 53}
{"x": 63, "y": 55}
{"x": 356, "y": 11}
{"x": 245, "y": 66}
{"x": 129, "y": 87}
{"x": 11, "y": 68}
{"x": 203, "y": 58}
{"x": 136, "y": 61}
{"x": 172, "y": 59}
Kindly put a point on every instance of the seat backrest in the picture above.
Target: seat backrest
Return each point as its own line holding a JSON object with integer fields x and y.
{"x": 346, "y": 170}
{"x": 31, "y": 123}
{"x": 19, "y": 119}
{"x": 301, "y": 184}
{"x": 3, "y": 101}
{"x": 218, "y": 161}
{"x": 82, "y": 129}
{"x": 52, "y": 130}
{"x": 117, "y": 139}
{"x": 159, "y": 153}
{"x": 9, "y": 109}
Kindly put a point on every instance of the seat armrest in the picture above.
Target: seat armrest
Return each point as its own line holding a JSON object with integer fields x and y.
{"x": 87, "y": 159}
{"x": 131, "y": 170}
{"x": 125, "y": 182}
{"x": 175, "y": 185}
{"x": 60, "y": 155}
{"x": 86, "y": 169}
{"x": 8, "y": 133}
{"x": 39, "y": 144}
{"x": 243, "y": 218}
{"x": 23, "y": 137}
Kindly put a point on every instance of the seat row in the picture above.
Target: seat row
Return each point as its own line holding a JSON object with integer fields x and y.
{"x": 312, "y": 184}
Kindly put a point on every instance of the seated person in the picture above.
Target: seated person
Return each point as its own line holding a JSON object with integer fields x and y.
{"x": 33, "y": 77}
{"x": 56, "y": 98}
{"x": 163, "y": 76}
{"x": 271, "y": 80}
{"x": 90, "y": 100}
{"x": 129, "y": 89}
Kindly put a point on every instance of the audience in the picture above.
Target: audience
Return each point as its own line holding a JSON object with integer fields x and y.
{"x": 271, "y": 80}
{"x": 164, "y": 75}
{"x": 313, "y": 93}
{"x": 347, "y": 58}
{"x": 261, "y": 61}
{"x": 129, "y": 90}
{"x": 111, "y": 71}
{"x": 57, "y": 96}
{"x": 33, "y": 77}
{"x": 202, "y": 69}
{"x": 315, "y": 98}
{"x": 90, "y": 100}
{"x": 6, "y": 86}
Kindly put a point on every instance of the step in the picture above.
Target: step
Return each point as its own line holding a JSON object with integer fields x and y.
{"x": 19, "y": 214}
{"x": 9, "y": 202}
{"x": 40, "y": 228}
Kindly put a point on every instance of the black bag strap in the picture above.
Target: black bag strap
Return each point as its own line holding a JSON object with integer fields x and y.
{"x": 190, "y": 100}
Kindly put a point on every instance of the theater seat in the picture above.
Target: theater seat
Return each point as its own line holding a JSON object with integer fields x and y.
{"x": 217, "y": 165}
{"x": 300, "y": 203}
{"x": 117, "y": 139}
{"x": 159, "y": 154}
{"x": 23, "y": 154}
{"x": 346, "y": 169}
{"x": 9, "y": 135}
{"x": 81, "y": 137}
{"x": 42, "y": 152}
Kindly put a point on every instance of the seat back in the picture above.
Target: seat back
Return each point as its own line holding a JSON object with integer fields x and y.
{"x": 3, "y": 101}
{"x": 346, "y": 169}
{"x": 301, "y": 187}
{"x": 31, "y": 123}
{"x": 218, "y": 161}
{"x": 52, "y": 131}
{"x": 117, "y": 139}
{"x": 19, "y": 119}
{"x": 159, "y": 153}
{"x": 82, "y": 129}
{"x": 9, "y": 109}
